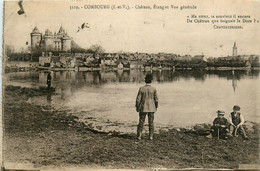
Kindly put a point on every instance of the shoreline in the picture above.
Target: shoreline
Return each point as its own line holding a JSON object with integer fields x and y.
{"x": 15, "y": 69}
{"x": 148, "y": 69}
{"x": 43, "y": 137}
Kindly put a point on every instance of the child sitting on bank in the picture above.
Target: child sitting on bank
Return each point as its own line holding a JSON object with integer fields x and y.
{"x": 220, "y": 126}
{"x": 236, "y": 120}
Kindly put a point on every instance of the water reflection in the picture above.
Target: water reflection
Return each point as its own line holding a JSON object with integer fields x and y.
{"x": 48, "y": 97}
{"x": 73, "y": 79}
{"x": 186, "y": 97}
{"x": 234, "y": 81}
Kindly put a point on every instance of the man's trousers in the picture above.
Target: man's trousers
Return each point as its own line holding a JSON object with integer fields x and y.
{"x": 140, "y": 126}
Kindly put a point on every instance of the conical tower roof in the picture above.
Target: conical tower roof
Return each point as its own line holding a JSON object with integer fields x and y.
{"x": 35, "y": 30}
{"x": 48, "y": 33}
{"x": 61, "y": 31}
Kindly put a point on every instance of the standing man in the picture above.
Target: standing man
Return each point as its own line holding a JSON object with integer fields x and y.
{"x": 146, "y": 104}
{"x": 49, "y": 80}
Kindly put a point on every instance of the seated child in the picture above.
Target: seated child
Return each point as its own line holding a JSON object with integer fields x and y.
{"x": 220, "y": 126}
{"x": 236, "y": 120}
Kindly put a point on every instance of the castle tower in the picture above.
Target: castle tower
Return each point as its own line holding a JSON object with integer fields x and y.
{"x": 66, "y": 43}
{"x": 48, "y": 37}
{"x": 234, "y": 50}
{"x": 61, "y": 32}
{"x": 60, "y": 41}
{"x": 36, "y": 37}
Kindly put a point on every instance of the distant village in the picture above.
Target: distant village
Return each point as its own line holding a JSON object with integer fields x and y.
{"x": 57, "y": 51}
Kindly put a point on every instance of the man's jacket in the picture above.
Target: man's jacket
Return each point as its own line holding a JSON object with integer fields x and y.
{"x": 147, "y": 99}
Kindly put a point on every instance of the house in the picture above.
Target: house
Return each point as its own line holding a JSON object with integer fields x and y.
{"x": 245, "y": 57}
{"x": 199, "y": 58}
{"x": 21, "y": 64}
{"x": 88, "y": 55}
{"x": 131, "y": 57}
{"x": 44, "y": 61}
{"x": 183, "y": 58}
{"x": 89, "y": 59}
{"x": 120, "y": 66}
{"x": 49, "y": 61}
{"x": 65, "y": 54}
{"x": 55, "y": 61}
{"x": 68, "y": 62}
{"x": 136, "y": 64}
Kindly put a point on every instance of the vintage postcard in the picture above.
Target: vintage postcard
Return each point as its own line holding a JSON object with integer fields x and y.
{"x": 130, "y": 84}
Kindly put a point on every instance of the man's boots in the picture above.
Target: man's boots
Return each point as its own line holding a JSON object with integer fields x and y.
{"x": 150, "y": 136}
{"x": 139, "y": 135}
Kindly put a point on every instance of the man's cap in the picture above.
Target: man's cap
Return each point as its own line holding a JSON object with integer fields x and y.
{"x": 221, "y": 112}
{"x": 236, "y": 108}
{"x": 149, "y": 77}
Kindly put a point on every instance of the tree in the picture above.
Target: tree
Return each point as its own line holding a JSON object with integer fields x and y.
{"x": 9, "y": 49}
{"x": 96, "y": 49}
{"x": 75, "y": 48}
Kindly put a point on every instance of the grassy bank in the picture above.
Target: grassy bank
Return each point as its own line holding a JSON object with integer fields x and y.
{"x": 44, "y": 137}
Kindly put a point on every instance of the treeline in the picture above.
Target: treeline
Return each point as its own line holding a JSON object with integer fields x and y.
{"x": 238, "y": 62}
{"x": 33, "y": 55}
{"x": 253, "y": 62}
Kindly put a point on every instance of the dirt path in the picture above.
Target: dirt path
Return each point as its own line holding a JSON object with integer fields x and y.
{"x": 43, "y": 137}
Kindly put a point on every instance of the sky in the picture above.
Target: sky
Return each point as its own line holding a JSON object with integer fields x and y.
{"x": 138, "y": 30}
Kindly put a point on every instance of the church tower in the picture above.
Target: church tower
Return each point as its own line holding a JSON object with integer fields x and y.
{"x": 36, "y": 37}
{"x": 234, "y": 50}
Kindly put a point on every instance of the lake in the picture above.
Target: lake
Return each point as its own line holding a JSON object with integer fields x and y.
{"x": 105, "y": 100}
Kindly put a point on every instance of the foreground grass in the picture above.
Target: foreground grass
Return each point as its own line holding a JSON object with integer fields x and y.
{"x": 53, "y": 138}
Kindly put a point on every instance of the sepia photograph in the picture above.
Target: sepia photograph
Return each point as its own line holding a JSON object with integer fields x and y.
{"x": 130, "y": 84}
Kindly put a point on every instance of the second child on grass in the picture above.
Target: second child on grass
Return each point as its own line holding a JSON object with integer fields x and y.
{"x": 236, "y": 122}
